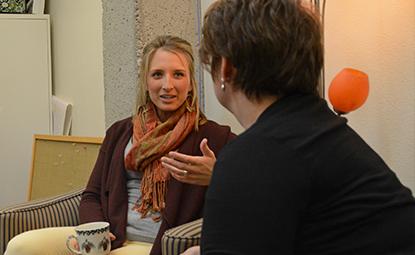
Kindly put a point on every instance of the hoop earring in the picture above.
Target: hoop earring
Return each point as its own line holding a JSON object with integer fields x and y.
{"x": 148, "y": 99}
{"x": 222, "y": 84}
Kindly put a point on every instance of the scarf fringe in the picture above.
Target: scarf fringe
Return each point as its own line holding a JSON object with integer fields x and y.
{"x": 152, "y": 140}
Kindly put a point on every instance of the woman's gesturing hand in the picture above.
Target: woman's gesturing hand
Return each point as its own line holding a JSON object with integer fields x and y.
{"x": 191, "y": 169}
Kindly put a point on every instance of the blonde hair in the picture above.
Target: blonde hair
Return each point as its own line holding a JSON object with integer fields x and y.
{"x": 175, "y": 45}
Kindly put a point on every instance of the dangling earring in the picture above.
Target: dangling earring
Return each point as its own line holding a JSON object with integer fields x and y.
{"x": 222, "y": 84}
{"x": 189, "y": 101}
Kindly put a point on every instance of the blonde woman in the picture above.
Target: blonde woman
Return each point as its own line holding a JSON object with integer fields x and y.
{"x": 129, "y": 187}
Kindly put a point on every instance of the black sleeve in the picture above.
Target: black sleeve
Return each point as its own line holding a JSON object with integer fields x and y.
{"x": 255, "y": 200}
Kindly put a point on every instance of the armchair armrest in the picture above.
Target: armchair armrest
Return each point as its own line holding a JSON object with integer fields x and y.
{"x": 178, "y": 239}
{"x": 57, "y": 211}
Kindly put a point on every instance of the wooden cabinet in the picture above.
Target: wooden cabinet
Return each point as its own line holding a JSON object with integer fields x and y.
{"x": 25, "y": 98}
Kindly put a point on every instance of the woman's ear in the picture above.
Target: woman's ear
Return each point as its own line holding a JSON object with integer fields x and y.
{"x": 227, "y": 70}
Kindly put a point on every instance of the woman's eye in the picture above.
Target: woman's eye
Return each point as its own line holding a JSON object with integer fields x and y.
{"x": 156, "y": 74}
{"x": 179, "y": 74}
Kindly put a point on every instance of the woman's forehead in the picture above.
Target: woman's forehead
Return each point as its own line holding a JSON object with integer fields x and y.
{"x": 167, "y": 58}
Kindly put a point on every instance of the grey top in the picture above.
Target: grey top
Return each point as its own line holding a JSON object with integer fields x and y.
{"x": 138, "y": 229}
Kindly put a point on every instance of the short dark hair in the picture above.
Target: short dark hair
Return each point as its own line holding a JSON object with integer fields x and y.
{"x": 275, "y": 45}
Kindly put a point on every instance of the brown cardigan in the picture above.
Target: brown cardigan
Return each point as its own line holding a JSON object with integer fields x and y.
{"x": 105, "y": 197}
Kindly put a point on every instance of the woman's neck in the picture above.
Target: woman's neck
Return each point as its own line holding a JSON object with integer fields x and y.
{"x": 248, "y": 110}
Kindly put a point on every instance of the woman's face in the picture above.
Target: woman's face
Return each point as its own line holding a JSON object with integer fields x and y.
{"x": 168, "y": 82}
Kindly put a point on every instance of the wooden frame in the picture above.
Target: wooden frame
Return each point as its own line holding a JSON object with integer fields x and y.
{"x": 61, "y": 164}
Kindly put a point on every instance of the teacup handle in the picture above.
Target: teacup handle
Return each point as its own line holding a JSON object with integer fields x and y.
{"x": 69, "y": 246}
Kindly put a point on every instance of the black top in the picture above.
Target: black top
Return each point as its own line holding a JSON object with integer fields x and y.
{"x": 301, "y": 181}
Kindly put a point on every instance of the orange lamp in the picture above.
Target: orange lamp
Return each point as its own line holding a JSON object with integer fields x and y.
{"x": 348, "y": 90}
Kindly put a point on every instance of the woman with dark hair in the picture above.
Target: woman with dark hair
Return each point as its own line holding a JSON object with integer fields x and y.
{"x": 299, "y": 180}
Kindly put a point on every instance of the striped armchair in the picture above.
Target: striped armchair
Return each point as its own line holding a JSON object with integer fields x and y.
{"x": 63, "y": 210}
{"x": 56, "y": 211}
{"x": 177, "y": 240}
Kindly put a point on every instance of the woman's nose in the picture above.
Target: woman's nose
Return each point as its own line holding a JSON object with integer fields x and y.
{"x": 167, "y": 83}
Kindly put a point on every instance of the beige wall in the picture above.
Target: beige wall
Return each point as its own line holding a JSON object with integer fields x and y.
{"x": 77, "y": 62}
{"x": 378, "y": 37}
{"x": 213, "y": 109}
{"x": 77, "y": 77}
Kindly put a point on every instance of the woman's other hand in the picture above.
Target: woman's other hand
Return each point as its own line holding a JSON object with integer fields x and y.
{"x": 191, "y": 169}
{"x": 195, "y": 250}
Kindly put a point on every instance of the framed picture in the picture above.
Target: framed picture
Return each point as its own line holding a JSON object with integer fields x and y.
{"x": 61, "y": 164}
{"x": 12, "y": 6}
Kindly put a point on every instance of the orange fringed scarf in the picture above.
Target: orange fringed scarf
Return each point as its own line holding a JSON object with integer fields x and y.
{"x": 151, "y": 141}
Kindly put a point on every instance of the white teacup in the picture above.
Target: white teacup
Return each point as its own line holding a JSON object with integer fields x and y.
{"x": 93, "y": 238}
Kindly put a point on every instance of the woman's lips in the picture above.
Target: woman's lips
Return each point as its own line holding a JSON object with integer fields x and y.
{"x": 167, "y": 98}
